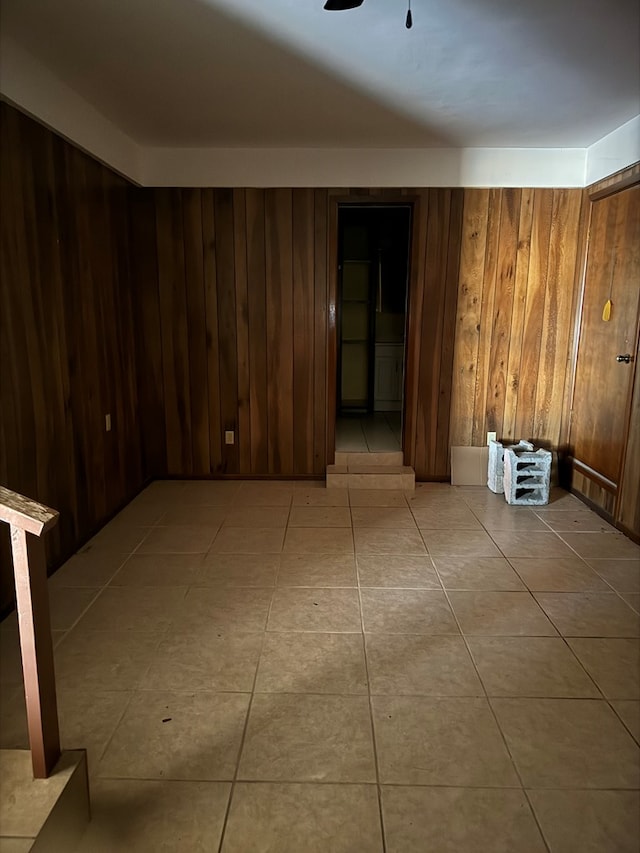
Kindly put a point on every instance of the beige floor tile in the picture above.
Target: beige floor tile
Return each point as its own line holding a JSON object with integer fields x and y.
{"x": 317, "y": 570}
{"x": 308, "y": 738}
{"x": 88, "y": 718}
{"x": 560, "y": 499}
{"x": 568, "y": 743}
{"x": 530, "y": 544}
{"x": 371, "y": 540}
{"x": 427, "y": 741}
{"x": 312, "y": 663}
{"x": 139, "y": 816}
{"x": 312, "y": 818}
{"x": 193, "y": 515}
{"x": 407, "y": 611}
{"x": 458, "y": 820}
{"x": 439, "y": 518}
{"x": 315, "y": 609}
{"x": 117, "y": 536}
{"x": 227, "y": 608}
{"x": 178, "y": 539}
{"x": 407, "y": 664}
{"x": 613, "y": 664}
{"x": 320, "y": 516}
{"x": 133, "y": 609}
{"x": 589, "y": 614}
{"x": 557, "y": 574}
{"x": 205, "y": 659}
{"x": 93, "y": 569}
{"x": 66, "y": 605}
{"x": 239, "y": 570}
{"x": 320, "y": 497}
{"x": 394, "y": 570}
{"x": 377, "y": 497}
{"x": 141, "y": 513}
{"x": 210, "y": 493}
{"x": 530, "y": 666}
{"x": 10, "y": 659}
{"x": 602, "y": 545}
{"x": 477, "y": 573}
{"x": 248, "y": 540}
{"x": 177, "y": 736}
{"x": 318, "y": 540}
{"x": 506, "y": 614}
{"x": 382, "y": 516}
{"x": 13, "y": 720}
{"x": 471, "y": 543}
{"x": 576, "y": 521}
{"x": 623, "y": 575}
{"x": 512, "y": 519}
{"x": 264, "y": 494}
{"x": 159, "y": 570}
{"x": 629, "y": 712}
{"x": 106, "y": 660}
{"x": 589, "y": 821}
{"x": 257, "y": 516}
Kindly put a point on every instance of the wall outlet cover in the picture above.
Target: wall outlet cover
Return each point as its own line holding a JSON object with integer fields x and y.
{"x": 229, "y": 436}
{"x": 491, "y": 436}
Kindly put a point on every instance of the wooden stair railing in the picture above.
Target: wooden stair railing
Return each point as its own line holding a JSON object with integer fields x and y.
{"x": 28, "y": 520}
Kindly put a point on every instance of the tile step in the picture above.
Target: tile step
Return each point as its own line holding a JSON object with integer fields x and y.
{"x": 353, "y": 458}
{"x": 370, "y": 477}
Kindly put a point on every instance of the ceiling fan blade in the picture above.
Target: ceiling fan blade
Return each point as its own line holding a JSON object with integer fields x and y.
{"x": 342, "y": 5}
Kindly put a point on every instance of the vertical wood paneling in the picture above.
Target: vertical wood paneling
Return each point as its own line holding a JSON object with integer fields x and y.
{"x": 196, "y": 326}
{"x": 67, "y": 347}
{"x": 490, "y": 321}
{"x": 469, "y": 308}
{"x": 279, "y": 290}
{"x": 227, "y": 322}
{"x": 303, "y": 329}
{"x": 211, "y": 327}
{"x": 256, "y": 294}
{"x": 242, "y": 329}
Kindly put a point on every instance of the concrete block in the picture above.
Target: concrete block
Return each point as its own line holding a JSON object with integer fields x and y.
{"x": 495, "y": 478}
{"x": 527, "y": 476}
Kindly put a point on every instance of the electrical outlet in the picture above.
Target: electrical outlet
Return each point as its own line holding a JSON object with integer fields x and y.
{"x": 107, "y": 423}
{"x": 491, "y": 436}
{"x": 229, "y": 436}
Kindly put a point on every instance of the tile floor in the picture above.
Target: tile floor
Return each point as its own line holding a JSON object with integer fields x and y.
{"x": 281, "y": 667}
{"x": 380, "y": 432}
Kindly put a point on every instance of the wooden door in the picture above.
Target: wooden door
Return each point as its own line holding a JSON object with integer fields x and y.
{"x": 603, "y": 385}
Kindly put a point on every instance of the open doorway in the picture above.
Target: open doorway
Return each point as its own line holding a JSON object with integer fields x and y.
{"x": 373, "y": 276}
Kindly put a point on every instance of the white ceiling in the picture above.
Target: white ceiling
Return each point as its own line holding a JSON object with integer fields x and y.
{"x": 285, "y": 73}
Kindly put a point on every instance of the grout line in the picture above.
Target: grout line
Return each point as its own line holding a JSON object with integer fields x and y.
{"x": 371, "y": 715}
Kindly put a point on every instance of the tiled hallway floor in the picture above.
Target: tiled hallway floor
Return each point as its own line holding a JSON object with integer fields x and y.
{"x": 280, "y": 667}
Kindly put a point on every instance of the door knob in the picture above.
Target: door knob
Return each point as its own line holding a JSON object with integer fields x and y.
{"x": 623, "y": 358}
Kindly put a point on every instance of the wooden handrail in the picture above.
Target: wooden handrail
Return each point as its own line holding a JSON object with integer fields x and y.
{"x": 27, "y": 521}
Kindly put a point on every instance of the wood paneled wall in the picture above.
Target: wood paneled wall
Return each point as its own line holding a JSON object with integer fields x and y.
{"x": 521, "y": 254}
{"x": 243, "y": 304}
{"x": 66, "y": 335}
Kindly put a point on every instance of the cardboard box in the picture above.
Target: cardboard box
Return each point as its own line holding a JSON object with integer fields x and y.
{"x": 469, "y": 466}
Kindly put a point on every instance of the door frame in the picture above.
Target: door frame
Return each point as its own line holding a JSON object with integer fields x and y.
{"x": 412, "y": 317}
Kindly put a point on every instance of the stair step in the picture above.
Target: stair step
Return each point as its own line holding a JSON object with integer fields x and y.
{"x": 370, "y": 477}
{"x": 387, "y": 458}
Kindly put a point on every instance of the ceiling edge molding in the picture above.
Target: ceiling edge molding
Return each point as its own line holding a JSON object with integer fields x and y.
{"x": 364, "y": 167}
{"x": 32, "y": 88}
{"x": 615, "y": 151}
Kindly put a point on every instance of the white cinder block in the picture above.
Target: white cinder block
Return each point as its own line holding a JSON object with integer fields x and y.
{"x": 495, "y": 480}
{"x": 527, "y": 476}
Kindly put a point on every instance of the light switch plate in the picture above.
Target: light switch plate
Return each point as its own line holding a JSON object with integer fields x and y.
{"x": 229, "y": 436}
{"x": 491, "y": 436}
